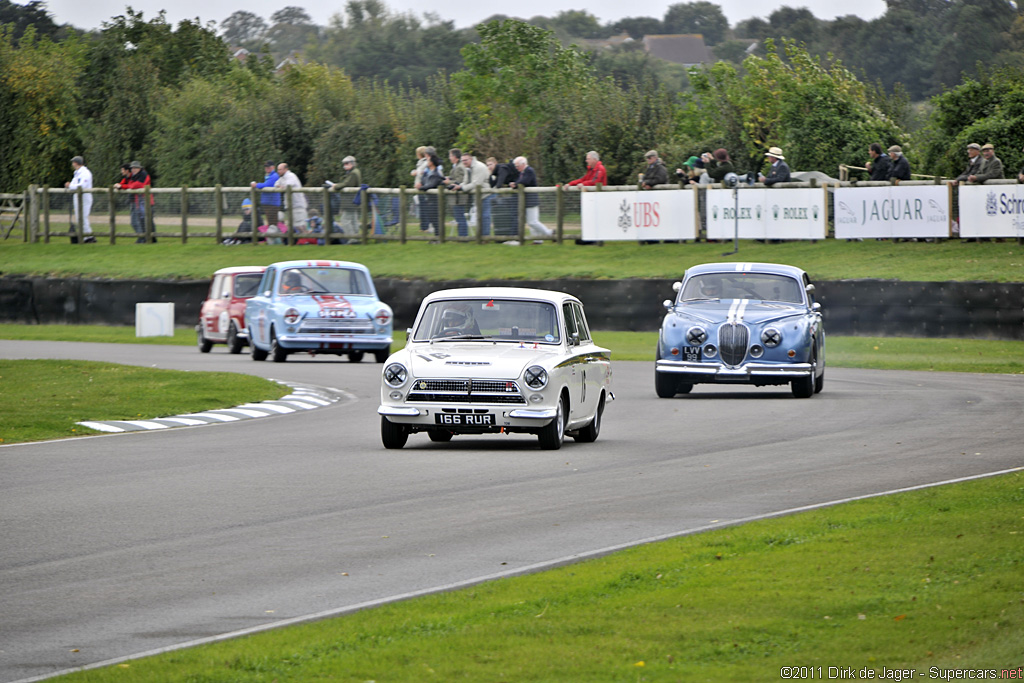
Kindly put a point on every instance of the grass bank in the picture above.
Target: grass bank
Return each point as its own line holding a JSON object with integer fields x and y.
{"x": 44, "y": 399}
{"x": 826, "y": 259}
{"x": 927, "y": 580}
{"x": 881, "y": 353}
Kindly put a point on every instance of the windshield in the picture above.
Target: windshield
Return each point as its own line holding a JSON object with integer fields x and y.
{"x": 763, "y": 286}
{"x": 490, "y": 319}
{"x": 313, "y": 280}
{"x": 247, "y": 284}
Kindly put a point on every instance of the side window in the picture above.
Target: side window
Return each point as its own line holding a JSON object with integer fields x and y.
{"x": 581, "y": 323}
{"x": 810, "y": 295}
{"x": 570, "y": 321}
{"x": 267, "y": 282}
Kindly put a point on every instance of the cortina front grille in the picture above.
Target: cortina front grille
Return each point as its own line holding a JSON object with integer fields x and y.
{"x": 466, "y": 391}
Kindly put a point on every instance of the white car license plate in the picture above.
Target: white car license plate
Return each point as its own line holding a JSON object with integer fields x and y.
{"x": 465, "y": 419}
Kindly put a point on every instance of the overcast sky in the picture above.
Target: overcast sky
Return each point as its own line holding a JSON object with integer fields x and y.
{"x": 91, "y": 14}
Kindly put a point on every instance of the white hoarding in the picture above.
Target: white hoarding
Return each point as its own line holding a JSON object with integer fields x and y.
{"x": 991, "y": 211}
{"x": 767, "y": 213}
{"x": 650, "y": 215}
{"x": 892, "y": 211}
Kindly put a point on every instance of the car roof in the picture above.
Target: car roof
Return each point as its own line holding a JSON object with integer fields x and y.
{"x": 319, "y": 263}
{"x": 231, "y": 270}
{"x": 501, "y": 293}
{"x": 745, "y": 267}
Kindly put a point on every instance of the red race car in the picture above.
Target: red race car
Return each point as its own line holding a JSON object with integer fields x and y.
{"x": 222, "y": 317}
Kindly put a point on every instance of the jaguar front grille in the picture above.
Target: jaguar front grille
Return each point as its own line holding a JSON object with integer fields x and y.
{"x": 732, "y": 343}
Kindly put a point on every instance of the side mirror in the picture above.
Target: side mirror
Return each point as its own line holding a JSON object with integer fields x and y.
{"x": 815, "y": 307}
{"x": 676, "y": 286}
{"x": 574, "y": 340}
{"x": 266, "y": 293}
{"x": 809, "y": 289}
{"x": 667, "y": 303}
{"x": 226, "y": 295}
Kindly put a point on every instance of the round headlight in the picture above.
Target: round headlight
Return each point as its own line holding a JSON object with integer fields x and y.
{"x": 710, "y": 350}
{"x": 383, "y": 316}
{"x": 395, "y": 374}
{"x": 536, "y": 377}
{"x": 771, "y": 337}
{"x": 291, "y": 316}
{"x": 756, "y": 351}
{"x": 695, "y": 336}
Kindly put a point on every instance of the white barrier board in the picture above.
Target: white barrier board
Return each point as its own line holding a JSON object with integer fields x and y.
{"x": 650, "y": 215}
{"x": 991, "y": 211}
{"x": 767, "y": 213}
{"x": 892, "y": 211}
{"x": 154, "y": 320}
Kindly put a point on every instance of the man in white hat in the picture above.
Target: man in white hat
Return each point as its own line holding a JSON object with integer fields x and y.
{"x": 779, "y": 172}
{"x": 82, "y": 179}
{"x": 991, "y": 167}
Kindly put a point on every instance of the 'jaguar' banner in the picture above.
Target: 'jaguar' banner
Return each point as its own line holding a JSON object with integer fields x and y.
{"x": 894, "y": 211}
{"x": 767, "y": 213}
{"x": 649, "y": 215}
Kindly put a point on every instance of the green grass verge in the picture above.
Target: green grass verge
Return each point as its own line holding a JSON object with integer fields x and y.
{"x": 44, "y": 399}
{"x": 826, "y": 259}
{"x": 880, "y": 353}
{"x": 918, "y": 580}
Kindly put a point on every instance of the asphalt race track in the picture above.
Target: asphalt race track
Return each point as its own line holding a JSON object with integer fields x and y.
{"x": 120, "y": 544}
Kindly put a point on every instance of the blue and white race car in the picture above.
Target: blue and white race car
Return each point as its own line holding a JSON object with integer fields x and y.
{"x": 745, "y": 323}
{"x": 318, "y": 307}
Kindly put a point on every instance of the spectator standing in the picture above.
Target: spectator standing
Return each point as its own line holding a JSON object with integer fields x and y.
{"x": 880, "y": 164}
{"x": 655, "y": 173}
{"x": 477, "y": 175}
{"x": 973, "y": 163}
{"x": 82, "y": 178}
{"x": 528, "y": 178}
{"x": 990, "y": 168}
{"x": 717, "y": 165}
{"x": 433, "y": 177}
{"x": 299, "y": 206}
{"x": 270, "y": 202}
{"x": 349, "y": 206}
{"x": 453, "y": 182}
{"x": 779, "y": 172}
{"x": 595, "y": 172}
{"x": 138, "y": 180}
{"x": 1020, "y": 173}
{"x": 900, "y": 169}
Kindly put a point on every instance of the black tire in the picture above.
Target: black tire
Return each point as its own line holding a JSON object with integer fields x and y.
{"x": 819, "y": 382}
{"x": 279, "y": 354}
{"x": 438, "y": 436}
{"x": 392, "y": 435}
{"x": 665, "y": 385}
{"x": 256, "y": 352}
{"x": 684, "y": 388}
{"x": 552, "y": 435}
{"x": 590, "y": 433}
{"x": 355, "y": 356}
{"x": 202, "y": 342}
{"x": 804, "y": 387}
{"x": 235, "y": 343}
{"x": 381, "y": 355}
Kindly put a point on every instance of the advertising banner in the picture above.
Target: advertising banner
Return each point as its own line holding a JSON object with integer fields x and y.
{"x": 991, "y": 211}
{"x": 767, "y": 213}
{"x": 893, "y": 211}
{"x": 650, "y": 215}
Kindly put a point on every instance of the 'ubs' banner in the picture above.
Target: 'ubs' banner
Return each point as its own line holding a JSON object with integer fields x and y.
{"x": 992, "y": 211}
{"x": 767, "y": 213}
{"x": 893, "y": 211}
{"x": 650, "y": 215}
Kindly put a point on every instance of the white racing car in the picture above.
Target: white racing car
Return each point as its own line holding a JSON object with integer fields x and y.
{"x": 492, "y": 360}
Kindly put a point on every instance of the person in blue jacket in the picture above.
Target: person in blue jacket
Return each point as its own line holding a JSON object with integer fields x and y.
{"x": 270, "y": 202}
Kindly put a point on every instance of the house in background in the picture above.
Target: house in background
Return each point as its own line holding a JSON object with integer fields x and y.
{"x": 687, "y": 49}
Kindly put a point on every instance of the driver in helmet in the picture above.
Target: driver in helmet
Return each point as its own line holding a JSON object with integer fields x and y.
{"x": 711, "y": 288}
{"x": 458, "y": 319}
{"x": 292, "y": 283}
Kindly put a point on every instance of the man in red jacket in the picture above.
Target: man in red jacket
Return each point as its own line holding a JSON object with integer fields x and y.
{"x": 138, "y": 180}
{"x": 595, "y": 172}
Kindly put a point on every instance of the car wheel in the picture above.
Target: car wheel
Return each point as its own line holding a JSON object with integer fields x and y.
{"x": 590, "y": 433}
{"x": 280, "y": 354}
{"x": 665, "y": 385}
{"x": 202, "y": 342}
{"x": 355, "y": 356}
{"x": 235, "y": 343}
{"x": 684, "y": 388}
{"x": 551, "y": 435}
{"x": 392, "y": 435}
{"x": 819, "y": 382}
{"x": 381, "y": 355}
{"x": 256, "y": 352}
{"x": 439, "y": 436}
{"x": 804, "y": 387}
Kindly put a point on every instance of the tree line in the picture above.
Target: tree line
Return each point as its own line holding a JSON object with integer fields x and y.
{"x": 174, "y": 98}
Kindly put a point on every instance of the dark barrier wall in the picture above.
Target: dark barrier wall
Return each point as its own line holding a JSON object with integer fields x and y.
{"x": 979, "y": 310}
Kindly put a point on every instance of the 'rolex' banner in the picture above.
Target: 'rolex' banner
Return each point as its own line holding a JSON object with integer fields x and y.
{"x": 635, "y": 215}
{"x": 766, "y": 213}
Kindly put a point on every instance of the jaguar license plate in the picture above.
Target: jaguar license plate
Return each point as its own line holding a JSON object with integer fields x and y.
{"x": 465, "y": 419}
{"x": 691, "y": 354}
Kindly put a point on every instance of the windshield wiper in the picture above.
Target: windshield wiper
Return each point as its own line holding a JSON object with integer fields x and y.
{"x": 460, "y": 337}
{"x": 703, "y": 298}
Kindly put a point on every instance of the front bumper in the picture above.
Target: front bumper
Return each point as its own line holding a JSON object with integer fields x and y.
{"x": 506, "y": 418}
{"x": 747, "y": 373}
{"x": 327, "y": 342}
